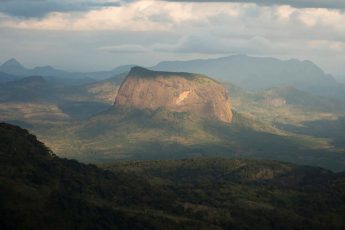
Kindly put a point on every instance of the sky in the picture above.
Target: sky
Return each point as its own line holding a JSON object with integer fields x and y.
{"x": 88, "y": 35}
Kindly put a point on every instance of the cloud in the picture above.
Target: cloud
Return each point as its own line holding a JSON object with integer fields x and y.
{"x": 127, "y": 48}
{"x": 40, "y": 8}
{"x": 145, "y": 32}
{"x": 328, "y": 4}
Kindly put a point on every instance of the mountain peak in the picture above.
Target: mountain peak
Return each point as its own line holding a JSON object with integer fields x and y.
{"x": 12, "y": 63}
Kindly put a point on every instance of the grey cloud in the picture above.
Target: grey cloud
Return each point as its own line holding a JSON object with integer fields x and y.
{"x": 330, "y": 4}
{"x": 39, "y": 8}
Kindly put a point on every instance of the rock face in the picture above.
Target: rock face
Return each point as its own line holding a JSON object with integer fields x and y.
{"x": 179, "y": 92}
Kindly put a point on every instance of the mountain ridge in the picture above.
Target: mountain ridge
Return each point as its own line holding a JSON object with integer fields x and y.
{"x": 259, "y": 73}
{"x": 14, "y": 67}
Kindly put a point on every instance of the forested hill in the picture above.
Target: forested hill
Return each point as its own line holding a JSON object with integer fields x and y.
{"x": 39, "y": 190}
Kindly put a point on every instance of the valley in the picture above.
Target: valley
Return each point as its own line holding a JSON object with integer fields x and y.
{"x": 172, "y": 115}
{"x": 80, "y": 121}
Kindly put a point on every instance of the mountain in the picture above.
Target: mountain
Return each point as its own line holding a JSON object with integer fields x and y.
{"x": 5, "y": 77}
{"x": 258, "y": 73}
{"x": 26, "y": 89}
{"x": 178, "y": 92}
{"x": 13, "y": 67}
{"x": 40, "y": 190}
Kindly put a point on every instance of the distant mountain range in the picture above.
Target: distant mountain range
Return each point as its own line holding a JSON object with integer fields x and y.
{"x": 250, "y": 73}
{"x": 258, "y": 73}
{"x": 15, "y": 68}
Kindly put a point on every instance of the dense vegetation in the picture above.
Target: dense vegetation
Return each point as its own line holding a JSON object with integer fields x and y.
{"x": 38, "y": 190}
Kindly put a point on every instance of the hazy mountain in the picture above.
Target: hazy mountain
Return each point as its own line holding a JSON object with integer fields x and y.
{"x": 12, "y": 66}
{"x": 257, "y": 73}
{"x": 340, "y": 78}
{"x": 26, "y": 89}
{"x": 40, "y": 190}
{"x": 5, "y": 77}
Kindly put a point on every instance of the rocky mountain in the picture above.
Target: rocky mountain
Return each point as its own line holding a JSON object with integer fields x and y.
{"x": 258, "y": 73}
{"x": 177, "y": 92}
{"x": 39, "y": 190}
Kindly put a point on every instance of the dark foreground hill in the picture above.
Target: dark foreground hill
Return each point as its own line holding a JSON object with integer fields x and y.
{"x": 41, "y": 191}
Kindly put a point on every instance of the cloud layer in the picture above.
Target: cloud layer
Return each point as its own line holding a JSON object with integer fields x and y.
{"x": 103, "y": 34}
{"x": 329, "y": 4}
{"x": 40, "y": 8}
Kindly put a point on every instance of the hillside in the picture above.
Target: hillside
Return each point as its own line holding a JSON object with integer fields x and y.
{"x": 40, "y": 190}
{"x": 285, "y": 105}
{"x": 35, "y": 98}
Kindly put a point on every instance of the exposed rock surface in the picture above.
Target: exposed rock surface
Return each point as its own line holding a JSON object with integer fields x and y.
{"x": 179, "y": 92}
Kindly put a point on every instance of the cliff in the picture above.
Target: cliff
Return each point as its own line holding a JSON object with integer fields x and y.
{"x": 178, "y": 92}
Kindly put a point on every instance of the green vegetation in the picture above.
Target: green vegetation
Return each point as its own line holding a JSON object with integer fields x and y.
{"x": 40, "y": 190}
{"x": 281, "y": 123}
{"x": 331, "y": 129}
{"x": 284, "y": 105}
{"x": 144, "y": 134}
